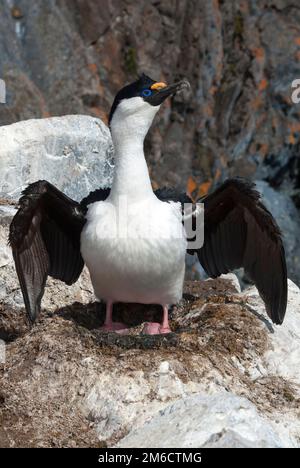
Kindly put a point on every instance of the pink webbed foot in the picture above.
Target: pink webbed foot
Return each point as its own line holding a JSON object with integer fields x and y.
{"x": 153, "y": 328}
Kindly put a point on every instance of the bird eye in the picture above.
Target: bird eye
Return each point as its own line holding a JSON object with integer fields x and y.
{"x": 146, "y": 93}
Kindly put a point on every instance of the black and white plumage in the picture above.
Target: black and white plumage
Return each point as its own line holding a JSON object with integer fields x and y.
{"x": 54, "y": 235}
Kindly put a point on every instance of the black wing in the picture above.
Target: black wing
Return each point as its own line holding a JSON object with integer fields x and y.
{"x": 240, "y": 232}
{"x": 45, "y": 240}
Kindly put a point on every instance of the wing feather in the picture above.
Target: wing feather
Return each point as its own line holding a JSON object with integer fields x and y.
{"x": 240, "y": 232}
{"x": 45, "y": 240}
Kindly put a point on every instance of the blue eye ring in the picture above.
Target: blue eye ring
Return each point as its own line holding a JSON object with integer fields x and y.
{"x": 146, "y": 92}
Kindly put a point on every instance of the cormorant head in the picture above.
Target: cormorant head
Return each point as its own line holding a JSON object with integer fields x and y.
{"x": 136, "y": 104}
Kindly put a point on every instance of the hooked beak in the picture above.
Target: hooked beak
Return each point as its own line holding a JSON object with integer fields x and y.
{"x": 162, "y": 91}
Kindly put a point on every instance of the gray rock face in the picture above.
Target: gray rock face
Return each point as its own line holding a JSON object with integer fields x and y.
{"x": 7, "y": 212}
{"x": 72, "y": 152}
{"x": 71, "y": 57}
{"x": 222, "y": 420}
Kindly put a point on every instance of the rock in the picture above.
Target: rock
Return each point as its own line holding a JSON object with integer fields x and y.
{"x": 207, "y": 421}
{"x": 99, "y": 387}
{"x": 240, "y": 59}
{"x": 284, "y": 353}
{"x": 5, "y": 255}
{"x": 232, "y": 279}
{"x": 72, "y": 152}
{"x": 7, "y": 212}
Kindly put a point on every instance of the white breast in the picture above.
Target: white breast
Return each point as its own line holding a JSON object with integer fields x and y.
{"x": 135, "y": 253}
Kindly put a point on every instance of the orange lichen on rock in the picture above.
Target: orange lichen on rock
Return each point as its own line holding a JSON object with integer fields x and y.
{"x": 155, "y": 185}
{"x": 204, "y": 188}
{"x": 257, "y": 102}
{"x": 100, "y": 114}
{"x": 292, "y": 139}
{"x": 263, "y": 84}
{"x": 92, "y": 67}
{"x": 213, "y": 90}
{"x": 264, "y": 149}
{"x": 191, "y": 186}
{"x": 259, "y": 53}
{"x": 294, "y": 127}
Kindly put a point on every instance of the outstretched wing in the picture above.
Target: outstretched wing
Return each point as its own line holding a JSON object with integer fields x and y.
{"x": 240, "y": 232}
{"x": 45, "y": 240}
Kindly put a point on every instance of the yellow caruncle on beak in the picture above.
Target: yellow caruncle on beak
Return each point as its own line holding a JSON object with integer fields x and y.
{"x": 158, "y": 86}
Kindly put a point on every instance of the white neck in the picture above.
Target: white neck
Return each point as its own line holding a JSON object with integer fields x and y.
{"x": 131, "y": 176}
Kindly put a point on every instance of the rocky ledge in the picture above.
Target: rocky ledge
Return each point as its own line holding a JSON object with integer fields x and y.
{"x": 225, "y": 377}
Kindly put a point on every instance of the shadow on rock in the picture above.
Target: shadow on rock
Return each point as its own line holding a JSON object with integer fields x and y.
{"x": 92, "y": 315}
